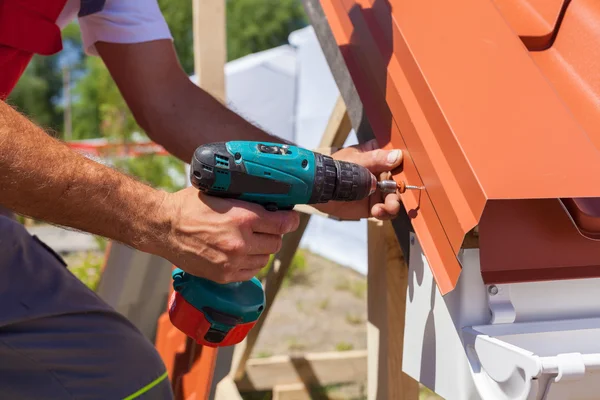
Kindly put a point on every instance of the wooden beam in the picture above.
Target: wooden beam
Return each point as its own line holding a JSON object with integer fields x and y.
{"x": 338, "y": 126}
{"x": 210, "y": 46}
{"x": 387, "y": 281}
{"x": 311, "y": 369}
{"x": 210, "y": 56}
{"x": 295, "y": 391}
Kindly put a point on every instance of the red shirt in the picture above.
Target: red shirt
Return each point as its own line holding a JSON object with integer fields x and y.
{"x": 27, "y": 27}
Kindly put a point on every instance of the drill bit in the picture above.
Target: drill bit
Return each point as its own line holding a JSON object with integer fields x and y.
{"x": 390, "y": 186}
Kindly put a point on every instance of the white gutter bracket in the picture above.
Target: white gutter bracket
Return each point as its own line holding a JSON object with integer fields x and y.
{"x": 511, "y": 341}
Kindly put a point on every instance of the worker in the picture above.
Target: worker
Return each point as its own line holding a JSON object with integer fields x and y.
{"x": 58, "y": 339}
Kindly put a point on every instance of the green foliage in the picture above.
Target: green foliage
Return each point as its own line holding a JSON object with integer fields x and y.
{"x": 344, "y": 346}
{"x": 153, "y": 169}
{"x": 178, "y": 14}
{"x": 88, "y": 270}
{"x": 102, "y": 242}
{"x": 38, "y": 93}
{"x": 33, "y": 94}
{"x": 255, "y": 25}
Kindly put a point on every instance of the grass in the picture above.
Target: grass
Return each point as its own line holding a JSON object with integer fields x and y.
{"x": 343, "y": 346}
{"x": 294, "y": 344}
{"x": 264, "y": 354}
{"x": 102, "y": 242}
{"x": 324, "y": 304}
{"x": 357, "y": 288}
{"x": 353, "y": 319}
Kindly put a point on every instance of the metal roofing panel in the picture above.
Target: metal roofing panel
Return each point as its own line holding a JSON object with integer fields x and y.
{"x": 534, "y": 21}
{"x": 478, "y": 120}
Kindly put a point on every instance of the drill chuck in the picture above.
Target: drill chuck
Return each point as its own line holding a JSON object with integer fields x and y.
{"x": 337, "y": 180}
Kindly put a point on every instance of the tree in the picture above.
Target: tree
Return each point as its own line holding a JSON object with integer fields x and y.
{"x": 256, "y": 25}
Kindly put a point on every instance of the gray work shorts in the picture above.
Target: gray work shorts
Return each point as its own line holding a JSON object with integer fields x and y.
{"x": 58, "y": 339}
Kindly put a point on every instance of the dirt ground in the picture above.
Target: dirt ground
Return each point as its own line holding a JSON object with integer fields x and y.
{"x": 322, "y": 308}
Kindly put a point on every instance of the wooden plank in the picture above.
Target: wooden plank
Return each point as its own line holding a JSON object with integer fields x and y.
{"x": 210, "y": 56}
{"x": 311, "y": 369}
{"x": 338, "y": 68}
{"x": 227, "y": 390}
{"x": 310, "y": 210}
{"x": 338, "y": 126}
{"x": 386, "y": 295}
{"x": 210, "y": 46}
{"x": 295, "y": 391}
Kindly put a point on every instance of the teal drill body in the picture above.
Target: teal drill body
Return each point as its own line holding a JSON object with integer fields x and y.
{"x": 278, "y": 177}
{"x": 296, "y": 169}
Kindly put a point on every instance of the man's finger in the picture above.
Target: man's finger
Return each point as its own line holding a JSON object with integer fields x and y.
{"x": 377, "y": 160}
{"x": 392, "y": 204}
{"x": 276, "y": 223}
{"x": 378, "y": 211}
{"x": 263, "y": 243}
{"x": 246, "y": 274}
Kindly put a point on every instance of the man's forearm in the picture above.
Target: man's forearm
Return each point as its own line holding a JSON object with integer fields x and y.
{"x": 198, "y": 118}
{"x": 44, "y": 179}
{"x": 172, "y": 110}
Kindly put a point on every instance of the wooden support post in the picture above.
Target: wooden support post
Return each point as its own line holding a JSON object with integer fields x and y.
{"x": 192, "y": 370}
{"x": 210, "y": 46}
{"x": 386, "y": 295}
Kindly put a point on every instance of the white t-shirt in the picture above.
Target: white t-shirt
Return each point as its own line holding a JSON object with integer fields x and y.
{"x": 121, "y": 21}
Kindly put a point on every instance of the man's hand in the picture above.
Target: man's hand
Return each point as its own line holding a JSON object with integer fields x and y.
{"x": 377, "y": 161}
{"x": 221, "y": 239}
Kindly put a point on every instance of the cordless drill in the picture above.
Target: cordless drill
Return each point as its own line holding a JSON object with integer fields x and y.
{"x": 278, "y": 177}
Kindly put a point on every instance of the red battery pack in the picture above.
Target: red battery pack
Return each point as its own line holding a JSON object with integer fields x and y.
{"x": 195, "y": 324}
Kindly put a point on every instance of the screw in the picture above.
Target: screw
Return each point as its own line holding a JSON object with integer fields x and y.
{"x": 493, "y": 290}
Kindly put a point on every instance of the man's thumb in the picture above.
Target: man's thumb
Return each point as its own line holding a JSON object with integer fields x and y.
{"x": 378, "y": 161}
